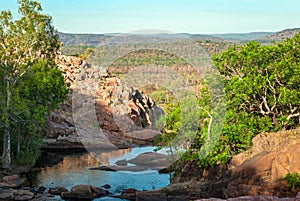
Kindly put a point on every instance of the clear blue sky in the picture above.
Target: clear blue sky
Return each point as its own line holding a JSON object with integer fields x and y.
{"x": 193, "y": 16}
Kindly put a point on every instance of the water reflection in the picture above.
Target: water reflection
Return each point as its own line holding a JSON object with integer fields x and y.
{"x": 74, "y": 170}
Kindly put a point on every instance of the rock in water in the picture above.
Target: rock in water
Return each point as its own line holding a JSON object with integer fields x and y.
{"x": 84, "y": 192}
{"x": 58, "y": 190}
{"x": 12, "y": 181}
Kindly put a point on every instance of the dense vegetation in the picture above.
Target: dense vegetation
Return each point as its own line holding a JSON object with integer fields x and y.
{"x": 31, "y": 85}
{"x": 262, "y": 92}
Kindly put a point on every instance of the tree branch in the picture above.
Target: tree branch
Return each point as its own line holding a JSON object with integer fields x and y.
{"x": 293, "y": 115}
{"x": 210, "y": 122}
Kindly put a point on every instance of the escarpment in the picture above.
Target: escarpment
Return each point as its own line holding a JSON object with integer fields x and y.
{"x": 100, "y": 111}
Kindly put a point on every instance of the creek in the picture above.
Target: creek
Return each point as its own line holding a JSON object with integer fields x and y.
{"x": 75, "y": 169}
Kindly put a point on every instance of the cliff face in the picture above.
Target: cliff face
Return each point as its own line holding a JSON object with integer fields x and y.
{"x": 100, "y": 112}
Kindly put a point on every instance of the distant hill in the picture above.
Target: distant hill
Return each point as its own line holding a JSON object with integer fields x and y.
{"x": 287, "y": 33}
{"x": 80, "y": 39}
{"x": 206, "y": 37}
{"x": 96, "y": 39}
{"x": 244, "y": 36}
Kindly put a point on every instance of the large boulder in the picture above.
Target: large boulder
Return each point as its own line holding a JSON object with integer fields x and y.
{"x": 262, "y": 169}
{"x": 13, "y": 194}
{"x": 127, "y": 194}
{"x": 58, "y": 190}
{"x": 23, "y": 195}
{"x": 84, "y": 192}
{"x": 13, "y": 181}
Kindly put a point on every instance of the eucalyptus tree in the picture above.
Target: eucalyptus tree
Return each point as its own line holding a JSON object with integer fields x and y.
{"x": 24, "y": 42}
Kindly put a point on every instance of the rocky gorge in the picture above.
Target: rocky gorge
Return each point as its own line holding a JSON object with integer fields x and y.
{"x": 259, "y": 171}
{"x": 125, "y": 118}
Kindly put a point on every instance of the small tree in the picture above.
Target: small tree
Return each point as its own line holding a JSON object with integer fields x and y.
{"x": 264, "y": 81}
{"x": 22, "y": 43}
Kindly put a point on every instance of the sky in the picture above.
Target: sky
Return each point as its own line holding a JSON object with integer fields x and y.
{"x": 177, "y": 16}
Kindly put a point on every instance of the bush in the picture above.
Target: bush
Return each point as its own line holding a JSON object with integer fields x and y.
{"x": 293, "y": 181}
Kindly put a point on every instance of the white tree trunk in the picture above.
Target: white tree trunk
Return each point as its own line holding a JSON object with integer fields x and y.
{"x": 6, "y": 159}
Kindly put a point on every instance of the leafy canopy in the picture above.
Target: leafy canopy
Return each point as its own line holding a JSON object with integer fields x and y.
{"x": 31, "y": 85}
{"x": 262, "y": 92}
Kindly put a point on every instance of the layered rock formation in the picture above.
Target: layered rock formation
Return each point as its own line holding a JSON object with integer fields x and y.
{"x": 100, "y": 111}
{"x": 259, "y": 171}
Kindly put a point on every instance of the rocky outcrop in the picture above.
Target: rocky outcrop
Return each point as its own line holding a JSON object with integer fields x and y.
{"x": 259, "y": 172}
{"x": 255, "y": 198}
{"x": 100, "y": 111}
{"x": 262, "y": 169}
{"x": 13, "y": 194}
{"x": 10, "y": 189}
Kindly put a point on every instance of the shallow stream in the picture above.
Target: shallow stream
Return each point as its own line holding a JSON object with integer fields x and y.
{"x": 75, "y": 169}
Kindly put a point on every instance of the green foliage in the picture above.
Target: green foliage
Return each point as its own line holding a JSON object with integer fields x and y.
{"x": 30, "y": 150}
{"x": 159, "y": 97}
{"x": 170, "y": 123}
{"x": 293, "y": 180}
{"x": 31, "y": 85}
{"x": 262, "y": 93}
{"x": 264, "y": 81}
{"x": 35, "y": 95}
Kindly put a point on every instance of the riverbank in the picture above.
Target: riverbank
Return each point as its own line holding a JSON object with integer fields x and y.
{"x": 259, "y": 171}
{"x": 257, "y": 174}
{"x": 75, "y": 170}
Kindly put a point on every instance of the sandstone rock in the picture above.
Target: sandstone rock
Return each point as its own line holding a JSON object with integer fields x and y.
{"x": 251, "y": 198}
{"x": 98, "y": 98}
{"x": 84, "y": 192}
{"x": 258, "y": 172}
{"x": 99, "y": 192}
{"x": 12, "y": 194}
{"x": 7, "y": 193}
{"x": 128, "y": 194}
{"x": 22, "y": 195}
{"x": 12, "y": 181}
{"x": 58, "y": 190}
{"x": 151, "y": 196}
{"x": 263, "y": 168}
{"x": 150, "y": 159}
